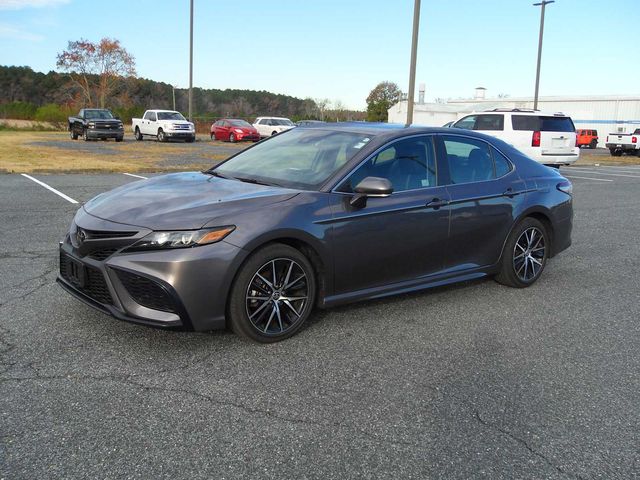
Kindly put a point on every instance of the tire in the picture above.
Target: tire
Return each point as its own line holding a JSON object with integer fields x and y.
{"x": 161, "y": 136}
{"x": 191, "y": 139}
{"x": 232, "y": 138}
{"x": 615, "y": 153}
{"x": 212, "y": 137}
{"x": 274, "y": 133}
{"x": 138, "y": 135}
{"x": 85, "y": 136}
{"x": 268, "y": 314}
{"x": 72, "y": 134}
{"x": 525, "y": 254}
{"x": 593, "y": 144}
{"x": 119, "y": 139}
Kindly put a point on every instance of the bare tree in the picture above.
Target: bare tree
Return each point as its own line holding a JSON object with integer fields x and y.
{"x": 107, "y": 60}
{"x": 323, "y": 105}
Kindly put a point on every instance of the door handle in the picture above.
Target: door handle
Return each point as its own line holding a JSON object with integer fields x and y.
{"x": 509, "y": 192}
{"x": 436, "y": 203}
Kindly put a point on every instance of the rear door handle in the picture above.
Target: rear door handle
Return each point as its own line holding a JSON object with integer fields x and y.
{"x": 510, "y": 192}
{"x": 437, "y": 203}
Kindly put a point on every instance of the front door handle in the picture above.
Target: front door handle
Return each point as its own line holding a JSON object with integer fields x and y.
{"x": 436, "y": 203}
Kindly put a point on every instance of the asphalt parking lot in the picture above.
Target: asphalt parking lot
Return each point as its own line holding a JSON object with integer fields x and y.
{"x": 470, "y": 381}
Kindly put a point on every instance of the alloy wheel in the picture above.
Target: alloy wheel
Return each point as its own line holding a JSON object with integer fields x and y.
{"x": 528, "y": 254}
{"x": 277, "y": 296}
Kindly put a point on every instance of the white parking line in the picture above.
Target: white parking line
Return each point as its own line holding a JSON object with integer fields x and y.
{"x": 589, "y": 178}
{"x": 609, "y": 169}
{"x": 605, "y": 173}
{"x": 137, "y": 176}
{"x": 67, "y": 198}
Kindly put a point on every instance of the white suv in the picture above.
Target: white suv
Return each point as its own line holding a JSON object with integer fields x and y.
{"x": 548, "y": 138}
{"x": 268, "y": 126}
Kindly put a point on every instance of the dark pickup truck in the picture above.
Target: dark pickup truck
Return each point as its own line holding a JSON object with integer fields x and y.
{"x": 94, "y": 123}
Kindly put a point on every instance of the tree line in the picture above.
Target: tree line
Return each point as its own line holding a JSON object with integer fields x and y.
{"x": 29, "y": 95}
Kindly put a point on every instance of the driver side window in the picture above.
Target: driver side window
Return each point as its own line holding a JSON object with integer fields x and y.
{"x": 408, "y": 164}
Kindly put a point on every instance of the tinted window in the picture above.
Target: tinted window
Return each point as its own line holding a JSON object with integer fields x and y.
{"x": 152, "y": 116}
{"x": 542, "y": 124}
{"x": 469, "y": 160}
{"x": 489, "y": 122}
{"x": 503, "y": 166}
{"x": 408, "y": 164}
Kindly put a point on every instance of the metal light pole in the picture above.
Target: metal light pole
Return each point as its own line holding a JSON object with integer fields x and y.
{"x": 412, "y": 68}
{"x": 190, "y": 64}
{"x": 543, "y": 4}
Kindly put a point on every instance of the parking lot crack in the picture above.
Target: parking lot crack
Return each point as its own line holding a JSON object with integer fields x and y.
{"x": 524, "y": 444}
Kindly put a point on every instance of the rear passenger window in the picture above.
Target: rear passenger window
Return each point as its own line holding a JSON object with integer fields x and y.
{"x": 503, "y": 166}
{"x": 469, "y": 160}
{"x": 489, "y": 122}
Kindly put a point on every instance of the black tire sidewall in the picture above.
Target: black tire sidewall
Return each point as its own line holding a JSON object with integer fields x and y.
{"x": 238, "y": 319}
{"x": 507, "y": 274}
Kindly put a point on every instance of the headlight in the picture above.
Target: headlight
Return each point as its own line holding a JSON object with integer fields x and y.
{"x": 237, "y": 130}
{"x": 183, "y": 239}
{"x": 121, "y": 127}
{"x": 91, "y": 125}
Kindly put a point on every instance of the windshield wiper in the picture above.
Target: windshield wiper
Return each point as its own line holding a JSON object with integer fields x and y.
{"x": 256, "y": 182}
{"x": 219, "y": 175}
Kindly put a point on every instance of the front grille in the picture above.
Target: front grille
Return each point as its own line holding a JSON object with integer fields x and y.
{"x": 146, "y": 292}
{"x": 103, "y": 254}
{"x": 92, "y": 284}
{"x": 103, "y": 234}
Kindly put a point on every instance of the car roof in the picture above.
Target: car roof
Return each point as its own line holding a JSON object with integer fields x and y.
{"x": 277, "y": 118}
{"x": 160, "y": 110}
{"x": 376, "y": 129}
{"x": 516, "y": 111}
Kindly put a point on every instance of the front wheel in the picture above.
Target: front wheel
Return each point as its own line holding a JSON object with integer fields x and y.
{"x": 161, "y": 136}
{"x": 274, "y": 133}
{"x": 525, "y": 254}
{"x": 85, "y": 135}
{"x": 232, "y": 138}
{"x": 272, "y": 295}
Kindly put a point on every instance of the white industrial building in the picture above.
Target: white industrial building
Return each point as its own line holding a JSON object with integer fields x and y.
{"x": 604, "y": 113}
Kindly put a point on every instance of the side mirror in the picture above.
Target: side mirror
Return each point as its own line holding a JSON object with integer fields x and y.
{"x": 370, "y": 187}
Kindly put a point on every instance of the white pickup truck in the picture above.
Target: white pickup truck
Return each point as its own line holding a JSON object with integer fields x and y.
{"x": 164, "y": 125}
{"x": 619, "y": 143}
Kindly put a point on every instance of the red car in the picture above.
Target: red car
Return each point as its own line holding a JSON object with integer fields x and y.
{"x": 233, "y": 130}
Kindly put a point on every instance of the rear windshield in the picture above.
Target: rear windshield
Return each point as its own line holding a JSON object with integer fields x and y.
{"x": 542, "y": 124}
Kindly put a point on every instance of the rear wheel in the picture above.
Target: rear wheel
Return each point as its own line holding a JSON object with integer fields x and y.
{"x": 274, "y": 133}
{"x": 272, "y": 295}
{"x": 525, "y": 254}
{"x": 615, "y": 153}
{"x": 593, "y": 144}
{"x": 138, "y": 135}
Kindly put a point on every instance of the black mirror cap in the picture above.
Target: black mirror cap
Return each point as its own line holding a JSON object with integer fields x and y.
{"x": 374, "y": 187}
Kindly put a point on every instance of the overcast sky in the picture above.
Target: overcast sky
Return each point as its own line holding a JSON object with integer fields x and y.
{"x": 340, "y": 49}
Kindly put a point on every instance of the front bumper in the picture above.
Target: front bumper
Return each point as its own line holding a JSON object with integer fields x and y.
{"x": 179, "y": 288}
{"x": 254, "y": 137}
{"x": 186, "y": 134}
{"x": 104, "y": 133}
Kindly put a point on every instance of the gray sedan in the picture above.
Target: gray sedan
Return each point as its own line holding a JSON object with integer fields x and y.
{"x": 312, "y": 218}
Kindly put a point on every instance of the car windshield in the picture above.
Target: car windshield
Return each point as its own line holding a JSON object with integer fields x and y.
{"x": 98, "y": 114}
{"x": 299, "y": 158}
{"x": 170, "y": 116}
{"x": 239, "y": 123}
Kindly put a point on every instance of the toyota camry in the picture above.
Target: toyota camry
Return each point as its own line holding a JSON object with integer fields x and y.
{"x": 312, "y": 218}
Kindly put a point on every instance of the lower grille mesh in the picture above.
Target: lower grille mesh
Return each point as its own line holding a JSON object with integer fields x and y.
{"x": 146, "y": 292}
{"x": 94, "y": 284}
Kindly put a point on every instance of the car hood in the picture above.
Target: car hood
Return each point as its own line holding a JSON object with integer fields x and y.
{"x": 182, "y": 201}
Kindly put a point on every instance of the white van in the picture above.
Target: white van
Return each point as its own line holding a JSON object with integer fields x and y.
{"x": 549, "y": 138}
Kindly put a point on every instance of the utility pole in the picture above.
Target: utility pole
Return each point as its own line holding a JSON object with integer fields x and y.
{"x": 412, "y": 68}
{"x": 190, "y": 65}
{"x": 173, "y": 90}
{"x": 543, "y": 4}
